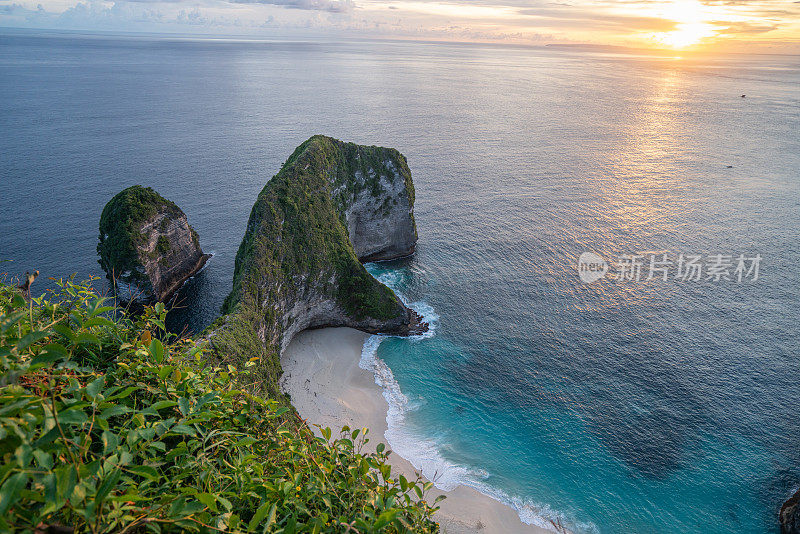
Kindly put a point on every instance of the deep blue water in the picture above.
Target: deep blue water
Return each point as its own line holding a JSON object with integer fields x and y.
{"x": 630, "y": 406}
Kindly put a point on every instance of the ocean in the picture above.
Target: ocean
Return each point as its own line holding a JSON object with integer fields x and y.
{"x": 622, "y": 405}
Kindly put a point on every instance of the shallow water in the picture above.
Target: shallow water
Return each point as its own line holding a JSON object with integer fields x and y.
{"x": 644, "y": 406}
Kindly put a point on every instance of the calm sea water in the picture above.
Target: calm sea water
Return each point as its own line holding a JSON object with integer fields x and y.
{"x": 613, "y": 407}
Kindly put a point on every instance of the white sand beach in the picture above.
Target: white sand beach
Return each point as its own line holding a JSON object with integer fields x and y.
{"x": 328, "y": 388}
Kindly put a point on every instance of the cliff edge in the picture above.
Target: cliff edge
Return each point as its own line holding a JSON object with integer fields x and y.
{"x": 332, "y": 205}
{"x": 147, "y": 248}
{"x": 789, "y": 516}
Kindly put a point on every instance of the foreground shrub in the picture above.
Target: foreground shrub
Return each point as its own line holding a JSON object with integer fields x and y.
{"x": 110, "y": 424}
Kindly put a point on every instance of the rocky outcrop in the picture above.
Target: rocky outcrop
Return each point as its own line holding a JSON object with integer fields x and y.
{"x": 331, "y": 205}
{"x": 789, "y": 516}
{"x": 377, "y": 202}
{"x": 147, "y": 248}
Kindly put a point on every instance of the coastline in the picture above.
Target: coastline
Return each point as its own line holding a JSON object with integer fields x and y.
{"x": 328, "y": 388}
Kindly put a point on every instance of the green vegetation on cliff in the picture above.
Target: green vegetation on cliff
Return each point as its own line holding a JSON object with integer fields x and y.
{"x": 120, "y": 224}
{"x": 297, "y": 229}
{"x": 108, "y": 424}
{"x": 297, "y": 242}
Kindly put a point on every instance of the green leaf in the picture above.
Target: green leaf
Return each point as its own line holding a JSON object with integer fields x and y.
{"x": 113, "y": 411}
{"x": 95, "y": 386}
{"x": 11, "y": 490}
{"x": 30, "y": 338}
{"x": 160, "y": 405}
{"x": 123, "y": 394}
{"x": 110, "y": 442}
{"x": 11, "y": 320}
{"x": 107, "y": 485}
{"x": 65, "y": 331}
{"x": 271, "y": 516}
{"x": 23, "y": 453}
{"x": 183, "y": 429}
{"x": 157, "y": 351}
{"x": 50, "y": 353}
{"x": 12, "y": 408}
{"x": 183, "y": 405}
{"x": 44, "y": 459}
{"x": 18, "y": 302}
{"x": 246, "y": 441}
{"x": 262, "y": 512}
{"x": 209, "y": 500}
{"x": 385, "y": 518}
{"x": 86, "y": 337}
{"x": 74, "y": 416}
{"x": 224, "y": 502}
{"x": 98, "y": 321}
{"x": 145, "y": 471}
{"x": 66, "y": 476}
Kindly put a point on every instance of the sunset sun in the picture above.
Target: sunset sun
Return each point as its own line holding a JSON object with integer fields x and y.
{"x": 685, "y": 35}
{"x": 691, "y": 24}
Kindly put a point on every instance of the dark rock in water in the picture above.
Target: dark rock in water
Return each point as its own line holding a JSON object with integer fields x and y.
{"x": 789, "y": 516}
{"x": 332, "y": 205}
{"x": 147, "y": 248}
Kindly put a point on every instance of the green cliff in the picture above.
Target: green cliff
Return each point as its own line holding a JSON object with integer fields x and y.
{"x": 331, "y": 204}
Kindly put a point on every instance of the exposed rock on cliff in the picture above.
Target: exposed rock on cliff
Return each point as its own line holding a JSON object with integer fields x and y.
{"x": 790, "y": 515}
{"x": 374, "y": 191}
{"x": 331, "y": 204}
{"x": 147, "y": 248}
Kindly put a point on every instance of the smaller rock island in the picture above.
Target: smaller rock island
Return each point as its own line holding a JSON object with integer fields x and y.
{"x": 147, "y": 247}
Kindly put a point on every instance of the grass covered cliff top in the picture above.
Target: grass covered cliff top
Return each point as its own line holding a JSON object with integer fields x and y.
{"x": 120, "y": 225}
{"x": 297, "y": 229}
{"x": 109, "y": 424}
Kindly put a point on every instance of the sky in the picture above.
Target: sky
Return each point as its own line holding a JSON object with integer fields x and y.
{"x": 761, "y": 26}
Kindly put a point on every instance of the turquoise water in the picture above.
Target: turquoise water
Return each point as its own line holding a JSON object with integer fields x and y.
{"x": 645, "y": 406}
{"x": 563, "y": 450}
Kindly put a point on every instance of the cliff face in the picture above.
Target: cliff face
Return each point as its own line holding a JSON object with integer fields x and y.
{"x": 375, "y": 193}
{"x": 147, "y": 248}
{"x": 331, "y": 204}
{"x": 790, "y": 515}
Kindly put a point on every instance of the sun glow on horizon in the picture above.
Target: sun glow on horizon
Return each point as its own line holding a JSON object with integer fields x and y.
{"x": 691, "y": 28}
{"x": 686, "y": 35}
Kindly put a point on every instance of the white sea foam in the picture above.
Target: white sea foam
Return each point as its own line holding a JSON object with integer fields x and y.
{"x": 425, "y": 453}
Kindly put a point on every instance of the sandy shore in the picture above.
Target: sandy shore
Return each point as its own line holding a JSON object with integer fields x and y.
{"x": 322, "y": 376}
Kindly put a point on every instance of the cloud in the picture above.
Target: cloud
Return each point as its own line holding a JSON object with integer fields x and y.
{"x": 746, "y": 28}
{"x": 119, "y": 14}
{"x": 193, "y": 17}
{"x": 550, "y": 17}
{"x": 331, "y": 6}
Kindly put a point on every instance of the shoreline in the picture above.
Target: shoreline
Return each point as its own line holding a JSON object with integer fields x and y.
{"x": 328, "y": 388}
